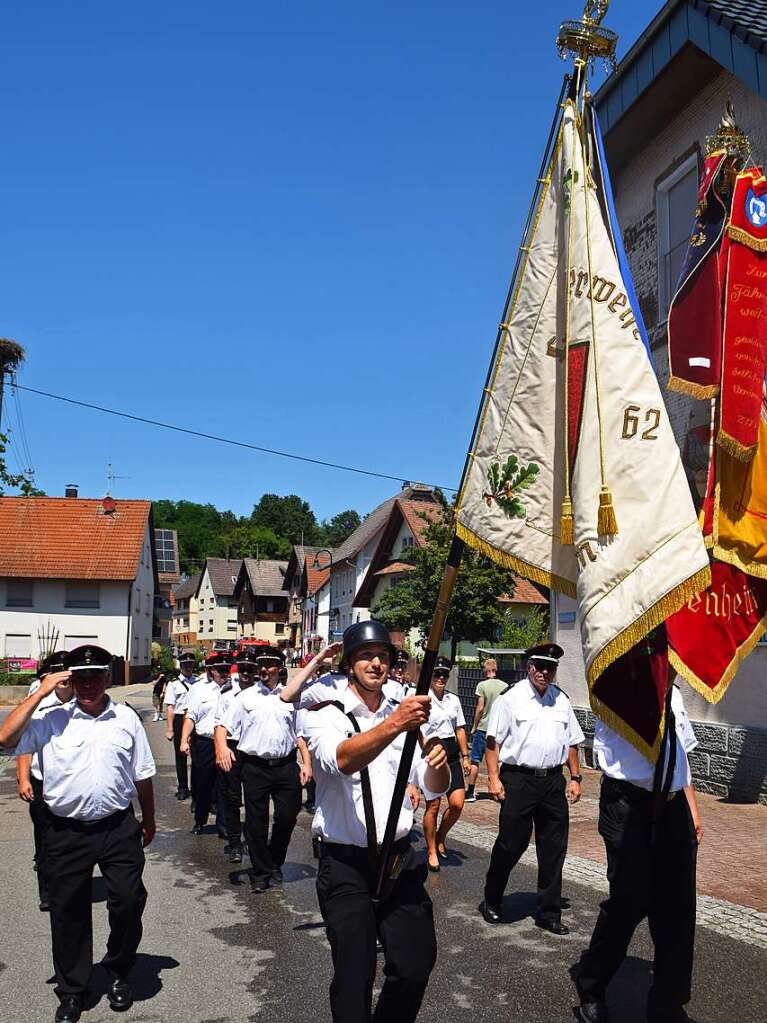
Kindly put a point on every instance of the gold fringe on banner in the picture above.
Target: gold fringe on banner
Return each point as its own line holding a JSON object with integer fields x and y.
{"x": 734, "y": 447}
{"x": 515, "y": 564}
{"x": 566, "y": 527}
{"x": 699, "y": 391}
{"x": 607, "y": 524}
{"x": 733, "y": 558}
{"x": 652, "y": 617}
{"x": 617, "y": 724}
{"x": 745, "y": 238}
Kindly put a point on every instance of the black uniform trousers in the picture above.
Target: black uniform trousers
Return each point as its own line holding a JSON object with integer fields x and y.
{"x": 230, "y": 784}
{"x": 539, "y": 802}
{"x": 73, "y": 849}
{"x": 39, "y": 815}
{"x": 261, "y": 781}
{"x": 182, "y": 773}
{"x": 404, "y": 922}
{"x": 651, "y": 872}
{"x": 205, "y": 783}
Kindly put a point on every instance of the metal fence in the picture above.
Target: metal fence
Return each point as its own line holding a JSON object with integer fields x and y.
{"x": 469, "y": 679}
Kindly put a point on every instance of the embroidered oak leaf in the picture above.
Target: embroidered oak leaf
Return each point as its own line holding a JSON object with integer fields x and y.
{"x": 505, "y": 481}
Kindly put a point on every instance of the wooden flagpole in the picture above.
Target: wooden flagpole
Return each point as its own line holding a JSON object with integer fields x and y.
{"x": 457, "y": 545}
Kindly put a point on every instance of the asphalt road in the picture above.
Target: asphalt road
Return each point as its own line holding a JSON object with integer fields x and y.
{"x": 214, "y": 953}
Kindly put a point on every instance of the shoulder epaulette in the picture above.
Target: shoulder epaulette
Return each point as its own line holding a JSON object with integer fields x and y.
{"x": 509, "y": 686}
{"x": 134, "y": 710}
{"x": 561, "y": 690}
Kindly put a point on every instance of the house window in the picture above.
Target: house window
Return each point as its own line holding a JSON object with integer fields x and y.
{"x": 146, "y": 650}
{"x": 279, "y": 628}
{"x": 146, "y": 603}
{"x": 81, "y": 595}
{"x": 19, "y": 593}
{"x": 135, "y": 648}
{"x": 408, "y": 542}
{"x": 18, "y": 645}
{"x": 675, "y": 199}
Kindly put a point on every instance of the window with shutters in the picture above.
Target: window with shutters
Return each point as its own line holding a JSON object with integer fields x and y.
{"x": 676, "y": 197}
{"x": 19, "y": 593}
{"x": 81, "y": 594}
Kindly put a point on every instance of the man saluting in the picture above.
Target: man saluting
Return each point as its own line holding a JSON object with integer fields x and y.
{"x": 95, "y": 758}
{"x": 356, "y": 744}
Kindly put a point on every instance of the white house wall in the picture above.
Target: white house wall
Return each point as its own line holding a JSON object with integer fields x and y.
{"x": 216, "y": 616}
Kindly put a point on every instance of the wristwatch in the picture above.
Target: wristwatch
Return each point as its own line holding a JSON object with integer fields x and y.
{"x": 576, "y": 777}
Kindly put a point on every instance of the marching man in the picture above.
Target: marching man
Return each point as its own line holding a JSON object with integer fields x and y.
{"x": 265, "y": 727}
{"x": 197, "y": 738}
{"x": 531, "y": 735}
{"x": 95, "y": 759}
{"x": 355, "y": 745}
{"x": 176, "y": 695}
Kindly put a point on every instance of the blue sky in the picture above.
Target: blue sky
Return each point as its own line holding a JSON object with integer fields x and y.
{"x": 288, "y": 224}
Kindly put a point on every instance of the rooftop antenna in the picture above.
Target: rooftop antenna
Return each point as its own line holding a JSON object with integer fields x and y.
{"x": 111, "y": 477}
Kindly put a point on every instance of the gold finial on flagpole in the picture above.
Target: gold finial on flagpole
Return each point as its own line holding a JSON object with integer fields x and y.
{"x": 729, "y": 137}
{"x": 587, "y": 40}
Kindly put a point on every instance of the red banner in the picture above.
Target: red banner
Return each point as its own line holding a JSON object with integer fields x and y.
{"x": 629, "y": 695}
{"x": 694, "y": 319}
{"x": 744, "y": 255}
{"x": 710, "y": 636}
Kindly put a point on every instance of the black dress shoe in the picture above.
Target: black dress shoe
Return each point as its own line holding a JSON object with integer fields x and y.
{"x": 552, "y": 926}
{"x": 490, "y": 913}
{"x": 592, "y": 1012}
{"x": 119, "y": 995}
{"x": 235, "y": 854}
{"x": 564, "y": 903}
{"x": 259, "y": 885}
{"x": 44, "y": 905}
{"x": 182, "y": 794}
{"x": 310, "y": 807}
{"x": 277, "y": 877}
{"x": 197, "y": 829}
{"x": 69, "y": 1010}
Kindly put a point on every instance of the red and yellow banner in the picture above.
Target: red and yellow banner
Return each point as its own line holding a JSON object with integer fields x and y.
{"x": 744, "y": 346}
{"x": 716, "y": 630}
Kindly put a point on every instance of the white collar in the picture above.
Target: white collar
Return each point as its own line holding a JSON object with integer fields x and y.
{"x": 77, "y": 710}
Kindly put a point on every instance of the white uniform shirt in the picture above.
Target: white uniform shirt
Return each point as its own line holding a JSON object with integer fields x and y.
{"x": 620, "y": 760}
{"x": 533, "y": 730}
{"x": 445, "y": 717}
{"x": 327, "y": 687}
{"x": 201, "y": 707}
{"x": 34, "y": 685}
{"x": 226, "y": 694}
{"x": 49, "y": 701}
{"x": 177, "y": 693}
{"x": 90, "y": 764}
{"x": 340, "y": 815}
{"x": 266, "y": 724}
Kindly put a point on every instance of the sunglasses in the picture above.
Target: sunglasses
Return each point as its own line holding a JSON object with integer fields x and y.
{"x": 542, "y": 665}
{"x": 441, "y": 673}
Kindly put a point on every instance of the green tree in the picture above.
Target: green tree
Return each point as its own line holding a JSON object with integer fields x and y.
{"x": 248, "y": 541}
{"x": 520, "y": 634}
{"x": 475, "y": 614}
{"x": 163, "y": 659}
{"x": 288, "y": 516}
{"x": 334, "y": 531}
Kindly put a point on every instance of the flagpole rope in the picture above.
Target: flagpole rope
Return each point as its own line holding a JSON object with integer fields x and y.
{"x": 607, "y": 524}
{"x": 566, "y": 522}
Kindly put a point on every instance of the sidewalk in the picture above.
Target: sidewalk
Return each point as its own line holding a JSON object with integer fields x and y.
{"x": 729, "y": 859}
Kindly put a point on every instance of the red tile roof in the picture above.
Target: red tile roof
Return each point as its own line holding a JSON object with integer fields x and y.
{"x": 317, "y": 577}
{"x": 413, "y": 512}
{"x": 71, "y": 538}
{"x": 396, "y": 568}
{"x": 524, "y": 593}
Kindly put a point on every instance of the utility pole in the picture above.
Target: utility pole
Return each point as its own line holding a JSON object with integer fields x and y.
{"x": 11, "y": 355}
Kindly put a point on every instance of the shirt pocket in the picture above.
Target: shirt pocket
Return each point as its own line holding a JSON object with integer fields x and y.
{"x": 119, "y": 747}
{"x": 66, "y": 753}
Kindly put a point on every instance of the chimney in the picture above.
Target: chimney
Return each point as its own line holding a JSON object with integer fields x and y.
{"x": 70, "y": 490}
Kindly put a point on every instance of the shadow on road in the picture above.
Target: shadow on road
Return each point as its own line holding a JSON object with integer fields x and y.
{"x": 145, "y": 979}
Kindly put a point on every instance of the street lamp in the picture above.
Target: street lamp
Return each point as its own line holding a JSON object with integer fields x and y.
{"x": 316, "y": 562}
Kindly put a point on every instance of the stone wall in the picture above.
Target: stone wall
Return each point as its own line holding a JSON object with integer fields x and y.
{"x": 730, "y": 762}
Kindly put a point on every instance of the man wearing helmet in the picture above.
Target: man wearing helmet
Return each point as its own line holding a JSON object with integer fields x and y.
{"x": 356, "y": 743}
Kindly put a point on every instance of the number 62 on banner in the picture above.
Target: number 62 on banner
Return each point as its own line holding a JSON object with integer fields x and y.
{"x": 631, "y": 423}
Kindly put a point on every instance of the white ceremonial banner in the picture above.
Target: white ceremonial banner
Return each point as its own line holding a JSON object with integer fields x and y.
{"x": 570, "y": 298}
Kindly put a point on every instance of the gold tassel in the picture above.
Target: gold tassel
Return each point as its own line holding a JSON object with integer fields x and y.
{"x": 607, "y": 524}
{"x": 566, "y": 532}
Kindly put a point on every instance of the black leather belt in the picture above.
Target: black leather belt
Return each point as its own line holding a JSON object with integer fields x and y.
{"x": 537, "y": 772}
{"x": 102, "y": 824}
{"x": 268, "y": 761}
{"x": 343, "y": 851}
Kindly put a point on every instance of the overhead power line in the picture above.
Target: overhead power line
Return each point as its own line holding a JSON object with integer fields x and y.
{"x": 222, "y": 440}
